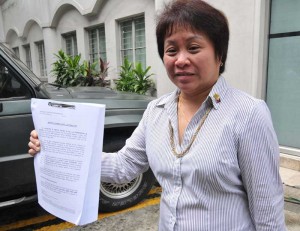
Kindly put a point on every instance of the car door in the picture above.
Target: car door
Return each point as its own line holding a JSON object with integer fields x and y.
{"x": 16, "y": 166}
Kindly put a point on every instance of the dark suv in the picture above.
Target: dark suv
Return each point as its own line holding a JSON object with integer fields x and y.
{"x": 17, "y": 86}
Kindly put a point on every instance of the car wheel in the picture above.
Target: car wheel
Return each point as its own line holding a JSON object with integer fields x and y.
{"x": 114, "y": 197}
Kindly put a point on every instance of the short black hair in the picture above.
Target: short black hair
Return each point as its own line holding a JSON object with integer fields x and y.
{"x": 199, "y": 16}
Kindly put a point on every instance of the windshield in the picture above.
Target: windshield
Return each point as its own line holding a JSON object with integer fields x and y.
{"x": 20, "y": 64}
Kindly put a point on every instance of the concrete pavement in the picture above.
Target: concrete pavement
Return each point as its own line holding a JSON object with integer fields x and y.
{"x": 291, "y": 182}
{"x": 147, "y": 218}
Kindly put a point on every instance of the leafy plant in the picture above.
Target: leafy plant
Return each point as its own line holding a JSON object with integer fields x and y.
{"x": 59, "y": 67}
{"x": 142, "y": 82}
{"x": 92, "y": 77}
{"x": 126, "y": 80}
{"x": 67, "y": 69}
{"x": 135, "y": 79}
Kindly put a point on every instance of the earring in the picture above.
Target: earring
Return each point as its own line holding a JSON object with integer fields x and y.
{"x": 221, "y": 64}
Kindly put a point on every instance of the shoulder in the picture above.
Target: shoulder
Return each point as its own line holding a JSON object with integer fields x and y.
{"x": 244, "y": 102}
{"x": 161, "y": 101}
{"x": 245, "y": 109}
{"x": 232, "y": 99}
{"x": 253, "y": 115}
{"x": 241, "y": 97}
{"x": 156, "y": 107}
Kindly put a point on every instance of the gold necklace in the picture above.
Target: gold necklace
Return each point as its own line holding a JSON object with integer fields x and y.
{"x": 181, "y": 154}
{"x": 181, "y": 110}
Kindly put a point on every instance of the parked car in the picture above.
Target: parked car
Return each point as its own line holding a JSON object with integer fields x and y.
{"x": 17, "y": 86}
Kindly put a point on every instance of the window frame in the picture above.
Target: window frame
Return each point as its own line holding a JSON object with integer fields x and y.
{"x": 134, "y": 48}
{"x": 99, "y": 31}
{"x": 70, "y": 43}
{"x": 41, "y": 58}
{"x": 16, "y": 51}
{"x": 28, "y": 57}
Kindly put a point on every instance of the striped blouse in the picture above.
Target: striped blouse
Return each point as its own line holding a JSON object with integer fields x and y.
{"x": 228, "y": 181}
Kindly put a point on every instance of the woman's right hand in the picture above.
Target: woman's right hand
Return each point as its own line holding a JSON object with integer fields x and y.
{"x": 34, "y": 143}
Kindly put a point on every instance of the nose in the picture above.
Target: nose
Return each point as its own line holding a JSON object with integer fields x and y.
{"x": 182, "y": 59}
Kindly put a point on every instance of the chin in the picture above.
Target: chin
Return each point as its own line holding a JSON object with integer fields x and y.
{"x": 185, "y": 86}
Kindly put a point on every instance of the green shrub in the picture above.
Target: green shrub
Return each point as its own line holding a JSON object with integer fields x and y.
{"x": 93, "y": 77}
{"x": 69, "y": 71}
{"x": 134, "y": 79}
{"x": 126, "y": 80}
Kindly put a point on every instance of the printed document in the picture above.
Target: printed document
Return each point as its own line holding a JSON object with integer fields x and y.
{"x": 69, "y": 165}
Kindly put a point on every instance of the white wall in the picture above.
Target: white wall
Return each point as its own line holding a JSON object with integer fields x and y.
{"x": 114, "y": 11}
{"x": 17, "y": 13}
{"x": 164, "y": 85}
{"x": 58, "y": 17}
{"x": 246, "y": 62}
{"x": 35, "y": 34}
{"x": 2, "y": 38}
{"x": 248, "y": 22}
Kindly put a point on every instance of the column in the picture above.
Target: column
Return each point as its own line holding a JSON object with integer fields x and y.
{"x": 51, "y": 44}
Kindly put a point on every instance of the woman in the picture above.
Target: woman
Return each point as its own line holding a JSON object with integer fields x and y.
{"x": 212, "y": 148}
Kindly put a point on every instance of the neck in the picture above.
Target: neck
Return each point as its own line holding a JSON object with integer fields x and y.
{"x": 194, "y": 99}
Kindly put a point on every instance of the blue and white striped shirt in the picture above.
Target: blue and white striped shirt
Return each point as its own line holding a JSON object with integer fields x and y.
{"x": 228, "y": 181}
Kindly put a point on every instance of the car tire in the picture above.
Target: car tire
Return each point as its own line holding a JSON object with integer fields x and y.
{"x": 114, "y": 197}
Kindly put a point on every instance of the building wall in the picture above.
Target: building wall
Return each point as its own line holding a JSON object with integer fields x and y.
{"x": 248, "y": 22}
{"x": 1, "y": 27}
{"x": 247, "y": 54}
{"x": 27, "y": 21}
{"x": 57, "y": 17}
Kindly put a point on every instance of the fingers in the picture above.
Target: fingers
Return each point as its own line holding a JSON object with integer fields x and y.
{"x": 34, "y": 134}
{"x": 32, "y": 152}
{"x": 33, "y": 148}
{"x": 34, "y": 143}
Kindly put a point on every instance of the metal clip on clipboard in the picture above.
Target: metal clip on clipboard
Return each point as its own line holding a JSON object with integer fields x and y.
{"x": 61, "y": 105}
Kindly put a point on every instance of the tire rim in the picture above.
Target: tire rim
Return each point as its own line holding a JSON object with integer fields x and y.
{"x": 119, "y": 191}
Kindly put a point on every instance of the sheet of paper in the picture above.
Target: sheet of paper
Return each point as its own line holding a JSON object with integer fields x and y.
{"x": 69, "y": 165}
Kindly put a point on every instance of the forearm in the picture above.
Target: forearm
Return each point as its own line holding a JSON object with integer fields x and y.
{"x": 115, "y": 168}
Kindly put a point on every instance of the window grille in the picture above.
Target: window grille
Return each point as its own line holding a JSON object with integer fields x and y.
{"x": 133, "y": 42}
{"x": 42, "y": 58}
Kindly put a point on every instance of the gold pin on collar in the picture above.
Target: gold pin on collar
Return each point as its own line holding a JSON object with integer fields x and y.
{"x": 217, "y": 98}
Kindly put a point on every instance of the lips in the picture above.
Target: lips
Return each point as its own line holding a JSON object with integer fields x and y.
{"x": 179, "y": 74}
{"x": 184, "y": 77}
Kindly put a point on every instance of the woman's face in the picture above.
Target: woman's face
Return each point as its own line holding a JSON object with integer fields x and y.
{"x": 190, "y": 61}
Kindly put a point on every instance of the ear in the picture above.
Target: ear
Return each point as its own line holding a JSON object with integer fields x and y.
{"x": 219, "y": 59}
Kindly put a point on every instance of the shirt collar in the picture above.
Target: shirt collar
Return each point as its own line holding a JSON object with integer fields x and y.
{"x": 216, "y": 94}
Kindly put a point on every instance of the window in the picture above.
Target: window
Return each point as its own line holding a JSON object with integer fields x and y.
{"x": 71, "y": 44}
{"x": 283, "y": 84}
{"x": 10, "y": 86}
{"x": 133, "y": 44}
{"x": 42, "y": 58}
{"x": 16, "y": 50}
{"x": 28, "y": 56}
{"x": 97, "y": 44}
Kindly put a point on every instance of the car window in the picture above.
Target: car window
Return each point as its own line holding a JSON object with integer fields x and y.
{"x": 10, "y": 85}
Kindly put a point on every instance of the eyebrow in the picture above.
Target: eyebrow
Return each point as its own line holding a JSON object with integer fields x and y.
{"x": 171, "y": 42}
